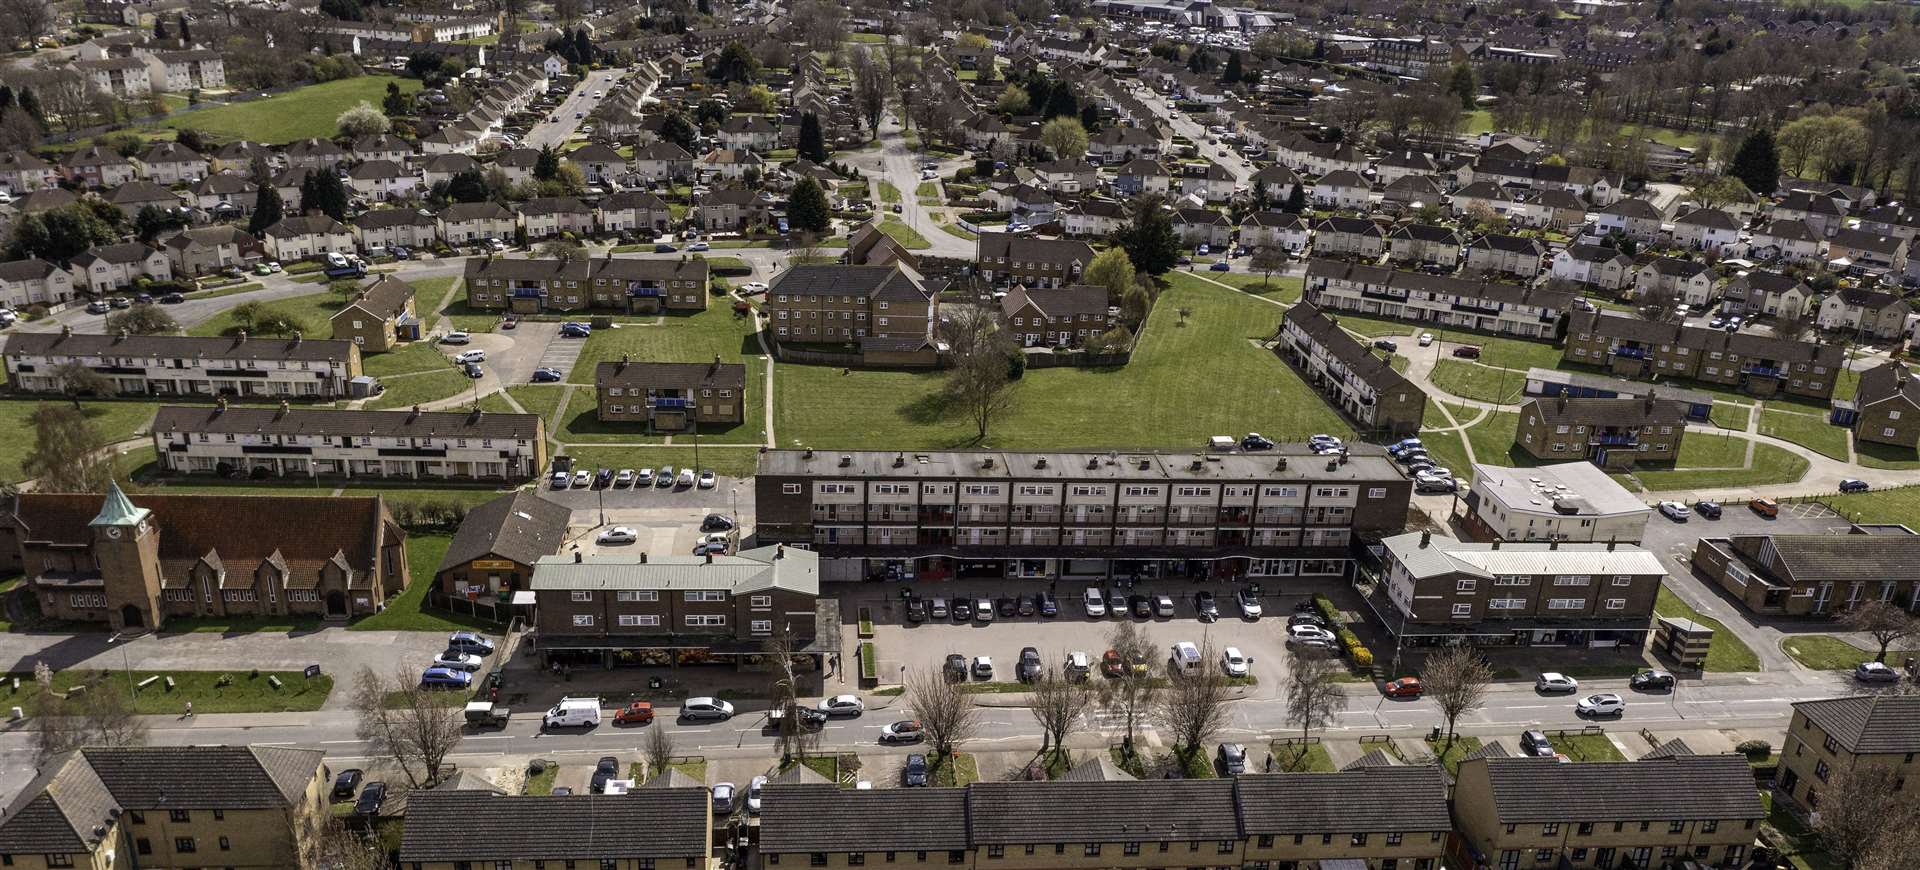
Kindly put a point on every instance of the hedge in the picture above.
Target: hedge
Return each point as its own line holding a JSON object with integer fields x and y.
{"x": 869, "y": 666}
{"x": 1327, "y": 611}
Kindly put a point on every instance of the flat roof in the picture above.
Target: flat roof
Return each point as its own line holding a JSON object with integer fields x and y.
{"x": 1580, "y": 486}
{"x": 1363, "y": 463}
{"x": 1588, "y": 380}
{"x": 1426, "y": 555}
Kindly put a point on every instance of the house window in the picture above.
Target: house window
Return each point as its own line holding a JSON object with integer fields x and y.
{"x": 582, "y": 620}
{"x": 790, "y": 489}
{"x": 759, "y": 602}
{"x": 179, "y": 816}
{"x": 706, "y": 595}
{"x": 1708, "y": 827}
{"x": 636, "y": 595}
{"x": 582, "y": 595}
{"x": 761, "y": 626}
{"x": 706, "y": 620}
{"x": 1463, "y": 610}
{"x": 1676, "y": 826}
{"x": 183, "y": 844}
{"x": 633, "y": 620}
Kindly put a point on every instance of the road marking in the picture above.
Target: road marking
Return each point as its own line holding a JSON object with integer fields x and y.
{"x": 291, "y": 743}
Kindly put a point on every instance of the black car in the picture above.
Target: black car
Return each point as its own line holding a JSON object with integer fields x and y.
{"x": 602, "y": 772}
{"x": 603, "y": 478}
{"x": 1302, "y": 618}
{"x": 172, "y": 299}
{"x": 1707, "y": 509}
{"x": 473, "y": 370}
{"x": 1256, "y": 442}
{"x": 1204, "y": 603}
{"x": 956, "y": 669}
{"x": 915, "y": 773}
{"x": 1648, "y": 681}
{"x": 370, "y": 800}
{"x": 143, "y": 298}
{"x": 1049, "y": 608}
{"x": 347, "y": 783}
{"x": 916, "y": 609}
{"x": 1029, "y": 668}
{"x": 1006, "y": 606}
{"x": 1386, "y": 345}
{"x": 1141, "y": 605}
{"x": 1027, "y": 606}
{"x": 716, "y": 523}
{"x": 962, "y": 609}
{"x": 1852, "y": 485}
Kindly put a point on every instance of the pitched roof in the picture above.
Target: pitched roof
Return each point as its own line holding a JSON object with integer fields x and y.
{"x": 1027, "y": 249}
{"x": 521, "y": 526}
{"x": 1102, "y": 812}
{"x": 824, "y": 818}
{"x": 461, "y": 826}
{"x": 1868, "y": 724}
{"x": 184, "y": 346}
{"x": 891, "y": 282}
{"x": 671, "y": 375}
{"x": 1674, "y": 788}
{"x": 213, "y": 419}
{"x": 1363, "y": 799}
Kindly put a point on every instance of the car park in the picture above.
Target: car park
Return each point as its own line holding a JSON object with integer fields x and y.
{"x": 1875, "y": 672}
{"x": 1603, "y": 704}
{"x": 1204, "y": 605}
{"x": 1552, "y": 681}
{"x": 1651, "y": 680}
{"x": 603, "y": 478}
{"x": 916, "y": 610}
{"x": 1023, "y": 606}
{"x": 983, "y": 609}
{"x": 1112, "y": 665}
{"x": 1140, "y": 606}
{"x": 582, "y": 478}
{"x": 707, "y": 480}
{"x": 98, "y": 307}
{"x": 1117, "y": 604}
{"x": 624, "y": 479}
{"x": 1675, "y": 511}
{"x": 1028, "y": 668}
{"x": 1096, "y": 602}
{"x": 706, "y": 708}
{"x": 1765, "y": 507}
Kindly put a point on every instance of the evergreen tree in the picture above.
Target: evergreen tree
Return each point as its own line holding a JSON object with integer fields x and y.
{"x": 1061, "y": 101}
{"x": 1259, "y": 195}
{"x": 468, "y": 186}
{"x": 677, "y": 129}
{"x": 31, "y": 102}
{"x": 1235, "y": 71}
{"x": 7, "y": 100}
{"x": 322, "y": 191}
{"x": 583, "y": 46}
{"x": 396, "y": 103}
{"x": 186, "y": 32}
{"x": 1460, "y": 83}
{"x": 267, "y": 210}
{"x": 546, "y": 167}
{"x": 1090, "y": 118}
{"x": 159, "y": 29}
{"x": 1149, "y": 239}
{"x": 1296, "y": 201}
{"x": 1757, "y": 163}
{"x": 813, "y": 145}
{"x": 152, "y": 221}
{"x": 807, "y": 208}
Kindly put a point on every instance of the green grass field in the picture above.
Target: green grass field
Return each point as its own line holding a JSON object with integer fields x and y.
{"x": 243, "y": 692}
{"x": 1824, "y": 652}
{"x": 407, "y": 611}
{"x": 1770, "y": 465}
{"x": 679, "y": 338}
{"x": 1880, "y": 506}
{"x": 301, "y": 113}
{"x": 116, "y": 421}
{"x": 409, "y": 390}
{"x": 1730, "y": 416}
{"x": 904, "y": 234}
{"x": 1807, "y": 430}
{"x": 1588, "y": 747}
{"x": 1729, "y": 654}
{"x": 888, "y": 193}
{"x": 313, "y": 311}
{"x": 1080, "y": 408}
{"x": 1478, "y": 382}
{"x": 1885, "y": 456}
{"x": 1447, "y": 449}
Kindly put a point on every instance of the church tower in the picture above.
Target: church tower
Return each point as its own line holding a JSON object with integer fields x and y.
{"x": 126, "y": 545}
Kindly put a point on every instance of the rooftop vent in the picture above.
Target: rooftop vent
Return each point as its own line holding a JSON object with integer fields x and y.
{"x": 846, "y": 461}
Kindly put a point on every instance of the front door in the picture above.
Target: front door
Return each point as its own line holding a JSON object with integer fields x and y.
{"x": 131, "y": 617}
{"x": 336, "y": 604}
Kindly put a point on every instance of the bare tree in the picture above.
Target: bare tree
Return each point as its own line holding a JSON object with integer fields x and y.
{"x": 1268, "y": 259}
{"x": 981, "y": 383}
{"x": 76, "y": 379}
{"x": 1883, "y": 621}
{"x": 91, "y": 713}
{"x": 870, "y": 89}
{"x": 1058, "y": 703}
{"x": 1659, "y": 303}
{"x": 68, "y": 454}
{"x": 402, "y": 720}
{"x": 795, "y": 736}
{"x": 1193, "y": 707}
{"x": 1457, "y": 680}
{"x": 947, "y": 714}
{"x": 23, "y": 21}
{"x": 1133, "y": 693}
{"x": 1792, "y": 327}
{"x": 659, "y": 751}
{"x": 1858, "y": 808}
{"x": 343, "y": 848}
{"x": 1313, "y": 698}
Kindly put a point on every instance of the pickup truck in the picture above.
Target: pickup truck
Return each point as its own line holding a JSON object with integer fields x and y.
{"x": 482, "y": 714}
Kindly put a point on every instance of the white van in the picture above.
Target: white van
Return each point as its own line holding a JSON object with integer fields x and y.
{"x": 1222, "y": 443}
{"x": 573, "y": 713}
{"x": 1186, "y": 659}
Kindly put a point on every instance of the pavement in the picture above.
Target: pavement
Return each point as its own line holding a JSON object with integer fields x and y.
{"x": 901, "y": 167}
{"x": 581, "y": 101}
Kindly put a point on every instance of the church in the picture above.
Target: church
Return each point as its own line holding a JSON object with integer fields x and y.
{"x": 133, "y": 562}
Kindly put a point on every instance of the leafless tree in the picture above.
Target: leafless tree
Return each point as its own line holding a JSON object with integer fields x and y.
{"x": 413, "y": 725}
{"x": 947, "y": 714}
{"x": 68, "y": 454}
{"x": 343, "y": 848}
{"x": 1793, "y": 327}
{"x": 659, "y": 751}
{"x": 1658, "y": 304}
{"x": 1457, "y": 680}
{"x": 794, "y": 735}
{"x": 1313, "y": 698}
{"x": 1268, "y": 259}
{"x": 76, "y": 379}
{"x": 870, "y": 88}
{"x": 91, "y": 713}
{"x": 1893, "y": 849}
{"x": 1859, "y": 807}
{"x": 1883, "y": 621}
{"x": 23, "y": 21}
{"x": 1193, "y": 707}
{"x": 1132, "y": 694}
{"x": 980, "y": 383}
{"x": 1058, "y": 703}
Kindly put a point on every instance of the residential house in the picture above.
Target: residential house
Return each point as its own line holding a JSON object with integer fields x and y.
{"x": 1006, "y": 258}
{"x": 314, "y": 154}
{"x": 383, "y": 146}
{"x": 95, "y": 166}
{"x": 1413, "y": 192}
{"x": 599, "y": 162}
{"x": 103, "y": 269}
{"x": 1392, "y": 167}
{"x": 1067, "y": 316}
{"x": 1355, "y": 237}
{"x": 1424, "y": 244}
{"x": 34, "y": 282}
{"x": 1636, "y": 219}
{"x": 1452, "y": 302}
{"x": 170, "y": 163}
{"x": 297, "y": 238}
{"x": 1706, "y": 229}
{"x": 134, "y": 196}
{"x": 1123, "y": 144}
{"x": 464, "y": 223}
{"x": 493, "y": 551}
{"x": 1611, "y": 433}
{"x": 1790, "y": 240}
{"x": 184, "y": 365}
{"x": 1092, "y": 218}
{"x": 1842, "y": 735}
{"x": 203, "y": 250}
{"x": 1761, "y": 365}
{"x": 1202, "y": 226}
{"x": 1812, "y": 575}
{"x": 382, "y": 181}
{"x": 124, "y": 77}
{"x": 1343, "y": 189}
{"x": 1862, "y": 252}
{"x": 668, "y": 825}
{"x": 635, "y": 211}
{"x": 1275, "y": 229}
{"x": 1139, "y": 176}
{"x": 1864, "y": 312}
{"x": 1817, "y": 210}
{"x": 635, "y": 286}
{"x": 225, "y": 196}
{"x": 671, "y": 397}
{"x": 1594, "y": 266}
{"x": 1684, "y": 280}
{"x": 751, "y": 132}
{"x": 394, "y": 227}
{"x": 379, "y": 317}
{"x": 1500, "y": 254}
{"x": 733, "y": 209}
{"x": 441, "y": 168}
{"x": 21, "y": 172}
{"x": 1762, "y": 293}
{"x": 546, "y": 216}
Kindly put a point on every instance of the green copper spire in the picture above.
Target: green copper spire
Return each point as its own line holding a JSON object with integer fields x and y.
{"x": 118, "y": 509}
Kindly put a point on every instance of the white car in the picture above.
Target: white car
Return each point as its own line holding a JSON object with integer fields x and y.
{"x": 842, "y": 705}
{"x": 1426, "y": 338}
{"x": 983, "y": 609}
{"x": 1096, "y": 602}
{"x": 753, "y": 288}
{"x": 686, "y": 477}
{"x": 618, "y": 535}
{"x": 1675, "y": 511}
{"x": 1249, "y": 603}
{"x": 458, "y": 661}
{"x": 583, "y": 477}
{"x": 707, "y": 480}
{"x": 624, "y": 478}
{"x": 1603, "y": 704}
{"x": 1556, "y": 682}
{"x": 560, "y": 479}
{"x": 753, "y": 795}
{"x": 1308, "y": 632}
{"x": 1234, "y": 663}
{"x": 456, "y": 337}
{"x": 645, "y": 478}
{"x": 470, "y": 356}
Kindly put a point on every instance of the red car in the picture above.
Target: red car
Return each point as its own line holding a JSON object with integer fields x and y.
{"x": 1112, "y": 665}
{"x": 635, "y": 713}
{"x": 1405, "y": 687}
{"x": 509, "y": 322}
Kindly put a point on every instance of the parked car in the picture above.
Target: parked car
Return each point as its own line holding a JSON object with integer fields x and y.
{"x": 346, "y": 782}
{"x": 1875, "y": 672}
{"x": 457, "y": 661}
{"x": 1096, "y": 602}
{"x": 617, "y": 535}
{"x": 1162, "y": 605}
{"x": 1426, "y": 339}
{"x": 544, "y": 375}
{"x": 1675, "y": 511}
{"x": 1232, "y": 758}
{"x": 624, "y": 479}
{"x": 445, "y": 678}
{"x": 1028, "y": 669}
{"x": 1534, "y": 742}
{"x": 603, "y": 478}
{"x": 1387, "y": 345}
{"x": 842, "y": 705}
{"x": 664, "y": 477}
{"x": 1765, "y": 507}
{"x": 1249, "y": 602}
{"x": 1049, "y": 608}
{"x": 582, "y": 478}
{"x": 914, "y": 773}
{"x": 470, "y": 356}
{"x": 1203, "y": 604}
{"x": 903, "y": 731}
{"x": 706, "y": 708}
{"x": 370, "y": 800}
{"x": 1140, "y": 606}
{"x": 603, "y": 770}
{"x": 1467, "y": 351}
{"x": 469, "y": 642}
{"x": 643, "y": 478}
{"x": 754, "y": 789}
{"x": 1650, "y": 680}
{"x": 983, "y": 609}
{"x": 1853, "y": 485}
{"x": 956, "y": 667}
{"x": 575, "y": 330}
{"x": 1112, "y": 665}
{"x": 473, "y": 370}
{"x": 716, "y": 523}
{"x": 707, "y": 480}
{"x": 456, "y": 337}
{"x": 1603, "y": 704}
{"x": 1234, "y": 662}
{"x": 1707, "y": 509}
{"x": 1405, "y": 687}
{"x": 172, "y": 299}
{"x": 723, "y": 798}
{"x": 962, "y": 610}
{"x": 635, "y": 713}
{"x": 1552, "y": 681}
{"x": 1254, "y": 441}
{"x": 983, "y": 667}
{"x": 916, "y": 610}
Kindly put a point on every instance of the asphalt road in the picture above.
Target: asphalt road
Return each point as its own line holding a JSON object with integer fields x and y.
{"x": 581, "y": 102}
{"x": 1184, "y": 125}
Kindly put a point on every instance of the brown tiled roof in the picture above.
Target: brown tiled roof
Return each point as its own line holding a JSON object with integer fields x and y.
{"x": 522, "y": 527}
{"x": 1675, "y": 788}
{"x": 671, "y": 375}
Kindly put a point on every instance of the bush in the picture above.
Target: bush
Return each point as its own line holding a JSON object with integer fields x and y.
{"x": 869, "y": 666}
{"x": 1758, "y": 750}
{"x": 1327, "y": 611}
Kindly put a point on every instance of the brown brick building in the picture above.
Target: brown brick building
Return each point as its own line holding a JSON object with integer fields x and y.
{"x": 380, "y": 317}
{"x": 1758, "y": 364}
{"x": 1005, "y": 258}
{"x": 493, "y": 553}
{"x": 627, "y": 285}
{"x": 1812, "y": 575}
{"x": 1055, "y": 317}
{"x": 1364, "y": 387}
{"x": 884, "y": 311}
{"x": 1888, "y": 406}
{"x": 667, "y": 824}
{"x": 671, "y": 397}
{"x": 1610, "y": 433}
{"x": 134, "y": 562}
{"x": 1836, "y": 735}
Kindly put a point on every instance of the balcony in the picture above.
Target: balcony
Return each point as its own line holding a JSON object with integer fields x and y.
{"x": 669, "y": 402}
{"x": 1493, "y": 311}
{"x": 645, "y": 291}
{"x": 1763, "y": 371}
{"x": 1630, "y": 352}
{"x": 529, "y": 292}
{"x": 1613, "y": 440}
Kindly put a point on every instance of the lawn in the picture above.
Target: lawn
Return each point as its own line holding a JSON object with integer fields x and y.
{"x": 1588, "y": 747}
{"x": 408, "y": 390}
{"x": 1727, "y": 415}
{"x": 1481, "y": 383}
{"x": 1289, "y": 758}
{"x": 115, "y": 420}
{"x": 1881, "y": 506}
{"x": 1807, "y": 430}
{"x": 1824, "y": 652}
{"x": 1492, "y": 440}
{"x": 1281, "y": 288}
{"x": 888, "y": 193}
{"x": 1729, "y": 654}
{"x": 540, "y": 399}
{"x": 1885, "y": 456}
{"x": 927, "y": 188}
{"x": 679, "y": 338}
{"x": 1074, "y": 408}
{"x": 904, "y": 234}
{"x": 957, "y": 769}
{"x": 1449, "y": 754}
{"x": 418, "y": 356}
{"x": 407, "y": 611}
{"x": 542, "y": 782}
{"x": 209, "y": 691}
{"x": 1770, "y": 465}
{"x": 1370, "y": 327}
{"x": 1447, "y": 449}
{"x": 302, "y": 113}
{"x": 313, "y": 312}
{"x": 957, "y": 232}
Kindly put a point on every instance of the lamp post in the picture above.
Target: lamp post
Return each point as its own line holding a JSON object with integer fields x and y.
{"x": 126, "y": 667}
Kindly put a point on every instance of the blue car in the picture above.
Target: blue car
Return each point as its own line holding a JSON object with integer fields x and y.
{"x": 546, "y": 375}
{"x": 575, "y": 330}
{"x": 445, "y": 678}
{"x": 1221, "y": 266}
{"x": 469, "y": 642}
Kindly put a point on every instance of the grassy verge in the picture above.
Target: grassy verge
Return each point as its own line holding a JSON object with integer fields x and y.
{"x": 542, "y": 783}
{"x": 1885, "y": 456}
{"x": 302, "y": 113}
{"x": 1730, "y": 416}
{"x": 1823, "y": 652}
{"x": 1807, "y": 430}
{"x": 905, "y": 235}
{"x": 420, "y": 388}
{"x": 888, "y": 193}
{"x": 1880, "y": 506}
{"x": 1770, "y": 465}
{"x": 208, "y": 691}
{"x": 115, "y": 420}
{"x": 1449, "y": 754}
{"x": 1480, "y": 383}
{"x": 694, "y": 767}
{"x": 1729, "y": 654}
{"x": 312, "y": 312}
{"x": 1588, "y": 747}
{"x": 956, "y": 231}
{"x": 1301, "y": 758}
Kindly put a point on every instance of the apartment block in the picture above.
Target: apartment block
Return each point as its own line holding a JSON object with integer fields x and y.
{"x": 309, "y": 442}
{"x": 1458, "y": 303}
{"x": 1571, "y": 501}
{"x": 628, "y": 285}
{"x": 1665, "y": 809}
{"x": 1761, "y": 365}
{"x": 180, "y": 365}
{"x": 1610, "y": 433}
{"x": 1886, "y": 407}
{"x": 1438, "y": 590}
{"x": 1016, "y": 259}
{"x": 672, "y": 397}
{"x": 1363, "y": 386}
{"x": 667, "y": 824}
{"x": 643, "y": 609}
{"x": 1279, "y": 513}
{"x": 1813, "y": 575}
{"x": 1838, "y": 735}
{"x": 883, "y": 310}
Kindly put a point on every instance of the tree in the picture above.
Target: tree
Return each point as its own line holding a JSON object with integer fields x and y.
{"x": 1757, "y": 162}
{"x": 1461, "y": 85}
{"x": 151, "y": 221}
{"x": 794, "y": 736}
{"x": 871, "y": 84}
{"x": 812, "y": 145}
{"x": 401, "y": 720}
{"x": 1296, "y": 200}
{"x": 1065, "y": 137}
{"x": 735, "y": 65}
{"x": 78, "y": 379}
{"x": 563, "y": 247}
{"x": 677, "y": 129}
{"x": 1236, "y": 69}
{"x": 1111, "y": 269}
{"x": 546, "y": 164}
{"x": 468, "y": 185}
{"x": 143, "y": 320}
{"x": 69, "y": 454}
{"x": 1719, "y": 190}
{"x": 344, "y": 848}
{"x": 160, "y": 33}
{"x": 90, "y": 714}
{"x": 1057, "y": 703}
{"x": 1815, "y": 145}
{"x": 659, "y": 751}
{"x": 363, "y": 120}
{"x": 980, "y": 383}
{"x": 1193, "y": 707}
{"x": 1148, "y": 238}
{"x": 345, "y": 10}
{"x": 396, "y": 102}
{"x": 1013, "y": 101}
{"x": 267, "y": 210}
{"x": 1268, "y": 259}
{"x": 24, "y": 21}
{"x": 1457, "y": 680}
{"x": 1313, "y": 696}
{"x": 186, "y": 32}
{"x": 947, "y": 714}
{"x": 1658, "y": 304}
{"x": 323, "y": 192}
{"x": 1859, "y": 807}
{"x": 1883, "y": 621}
{"x": 753, "y": 99}
{"x": 1792, "y": 326}
{"x": 807, "y": 207}
{"x": 1131, "y": 695}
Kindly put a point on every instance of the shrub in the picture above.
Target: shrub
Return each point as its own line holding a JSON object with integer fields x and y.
{"x": 1361, "y": 656}
{"x": 1758, "y": 750}
{"x": 1327, "y": 611}
{"x": 869, "y": 667}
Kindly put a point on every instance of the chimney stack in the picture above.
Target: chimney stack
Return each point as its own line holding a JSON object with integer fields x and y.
{"x": 414, "y": 414}
{"x": 780, "y": 551}
{"x": 1426, "y": 536}
{"x": 577, "y": 557}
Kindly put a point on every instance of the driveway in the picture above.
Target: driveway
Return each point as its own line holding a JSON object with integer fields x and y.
{"x": 524, "y": 346}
